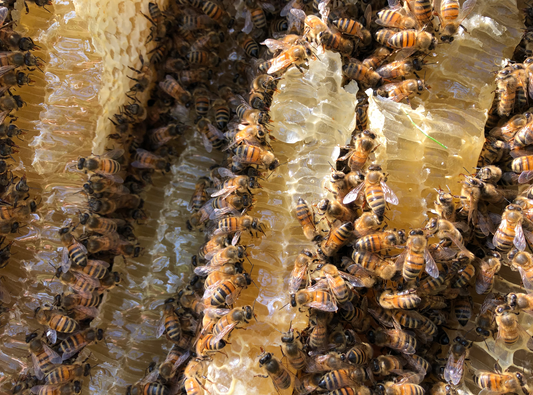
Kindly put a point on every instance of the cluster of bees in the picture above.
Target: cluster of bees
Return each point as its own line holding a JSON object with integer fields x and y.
{"x": 390, "y": 311}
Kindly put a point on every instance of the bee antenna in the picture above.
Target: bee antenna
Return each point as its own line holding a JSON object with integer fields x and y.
{"x": 282, "y": 307}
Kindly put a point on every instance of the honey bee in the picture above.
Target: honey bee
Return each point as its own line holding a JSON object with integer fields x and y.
{"x": 174, "y": 359}
{"x": 366, "y": 224}
{"x": 112, "y": 242}
{"x": 376, "y": 59}
{"x": 316, "y": 299}
{"x": 222, "y": 113}
{"x": 143, "y": 78}
{"x": 523, "y": 261}
{"x": 172, "y": 88}
{"x": 394, "y": 18}
{"x": 501, "y": 382}
{"x": 451, "y": 15}
{"x": 101, "y": 225}
{"x": 336, "y": 282}
{"x": 249, "y": 154}
{"x": 520, "y": 301}
{"x": 72, "y": 250}
{"x": 400, "y": 68}
{"x": 406, "y": 385}
{"x": 407, "y": 299}
{"x": 147, "y": 160}
{"x": 251, "y": 116}
{"x": 510, "y": 231}
{"x": 398, "y": 91}
{"x": 227, "y": 291}
{"x": 415, "y": 255}
{"x": 506, "y": 84}
{"x": 228, "y": 322}
{"x": 105, "y": 165}
{"x": 43, "y": 357}
{"x": 15, "y": 41}
{"x": 375, "y": 242}
{"x": 58, "y": 389}
{"x": 337, "y": 238}
{"x": 79, "y": 282}
{"x": 292, "y": 348}
{"x": 376, "y": 191}
{"x": 66, "y": 373}
{"x": 333, "y": 210}
{"x": 256, "y": 135}
{"x": 336, "y": 42}
{"x": 485, "y": 321}
{"x": 444, "y": 229}
{"x": 373, "y": 263}
{"x": 55, "y": 321}
{"x": 211, "y": 136}
{"x": 454, "y": 370}
{"x": 384, "y": 365}
{"x": 201, "y": 101}
{"x": 304, "y": 214}
{"x": 395, "y": 339}
{"x": 76, "y": 342}
{"x": 422, "y": 10}
{"x": 354, "y": 28}
{"x": 301, "y": 265}
{"x": 337, "y": 379}
{"x": 216, "y": 13}
{"x": 108, "y": 206}
{"x": 169, "y": 323}
{"x": 296, "y": 56}
{"x": 275, "y": 370}
{"x": 360, "y": 354}
{"x": 313, "y": 27}
{"x": 201, "y": 59}
{"x": 489, "y": 267}
{"x": 356, "y": 70}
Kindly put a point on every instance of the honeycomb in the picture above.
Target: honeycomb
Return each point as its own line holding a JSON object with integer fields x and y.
{"x": 88, "y": 50}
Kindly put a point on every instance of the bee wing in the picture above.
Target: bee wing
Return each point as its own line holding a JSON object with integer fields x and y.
{"x": 236, "y": 238}
{"x": 275, "y": 45}
{"x": 285, "y": 10}
{"x": 97, "y": 263}
{"x": 368, "y": 15}
{"x": 248, "y": 24}
{"x": 215, "y": 131}
{"x": 45, "y": 389}
{"x": 203, "y": 271}
{"x": 65, "y": 261}
{"x": 6, "y": 69}
{"x": 114, "y": 153}
{"x": 395, "y": 4}
{"x": 320, "y": 285}
{"x": 54, "y": 357}
{"x": 519, "y": 240}
{"x": 36, "y": 367}
{"x": 73, "y": 351}
{"x": 279, "y": 63}
{"x": 297, "y": 276}
{"x": 87, "y": 312}
{"x": 224, "y": 172}
{"x": 161, "y": 326}
{"x": 466, "y": 9}
{"x": 82, "y": 248}
{"x": 353, "y": 194}
{"x": 453, "y": 372}
{"x": 207, "y": 144}
{"x": 401, "y": 259}
{"x": 405, "y": 53}
{"x": 528, "y": 284}
{"x": 219, "y": 212}
{"x": 483, "y": 222}
{"x": 390, "y": 196}
{"x": 231, "y": 298}
{"x": 51, "y": 334}
{"x": 411, "y": 377}
{"x": 113, "y": 177}
{"x": 225, "y": 191}
{"x": 4, "y": 12}
{"x": 227, "y": 329}
{"x": 437, "y": 8}
{"x": 353, "y": 280}
{"x": 180, "y": 360}
{"x": 329, "y": 305}
{"x": 525, "y": 177}
{"x": 431, "y": 266}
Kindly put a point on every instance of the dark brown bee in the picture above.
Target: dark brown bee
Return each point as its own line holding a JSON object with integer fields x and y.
{"x": 276, "y": 371}
{"x": 75, "y": 343}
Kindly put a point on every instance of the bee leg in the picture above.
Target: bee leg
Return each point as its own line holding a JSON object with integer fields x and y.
{"x": 264, "y": 376}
